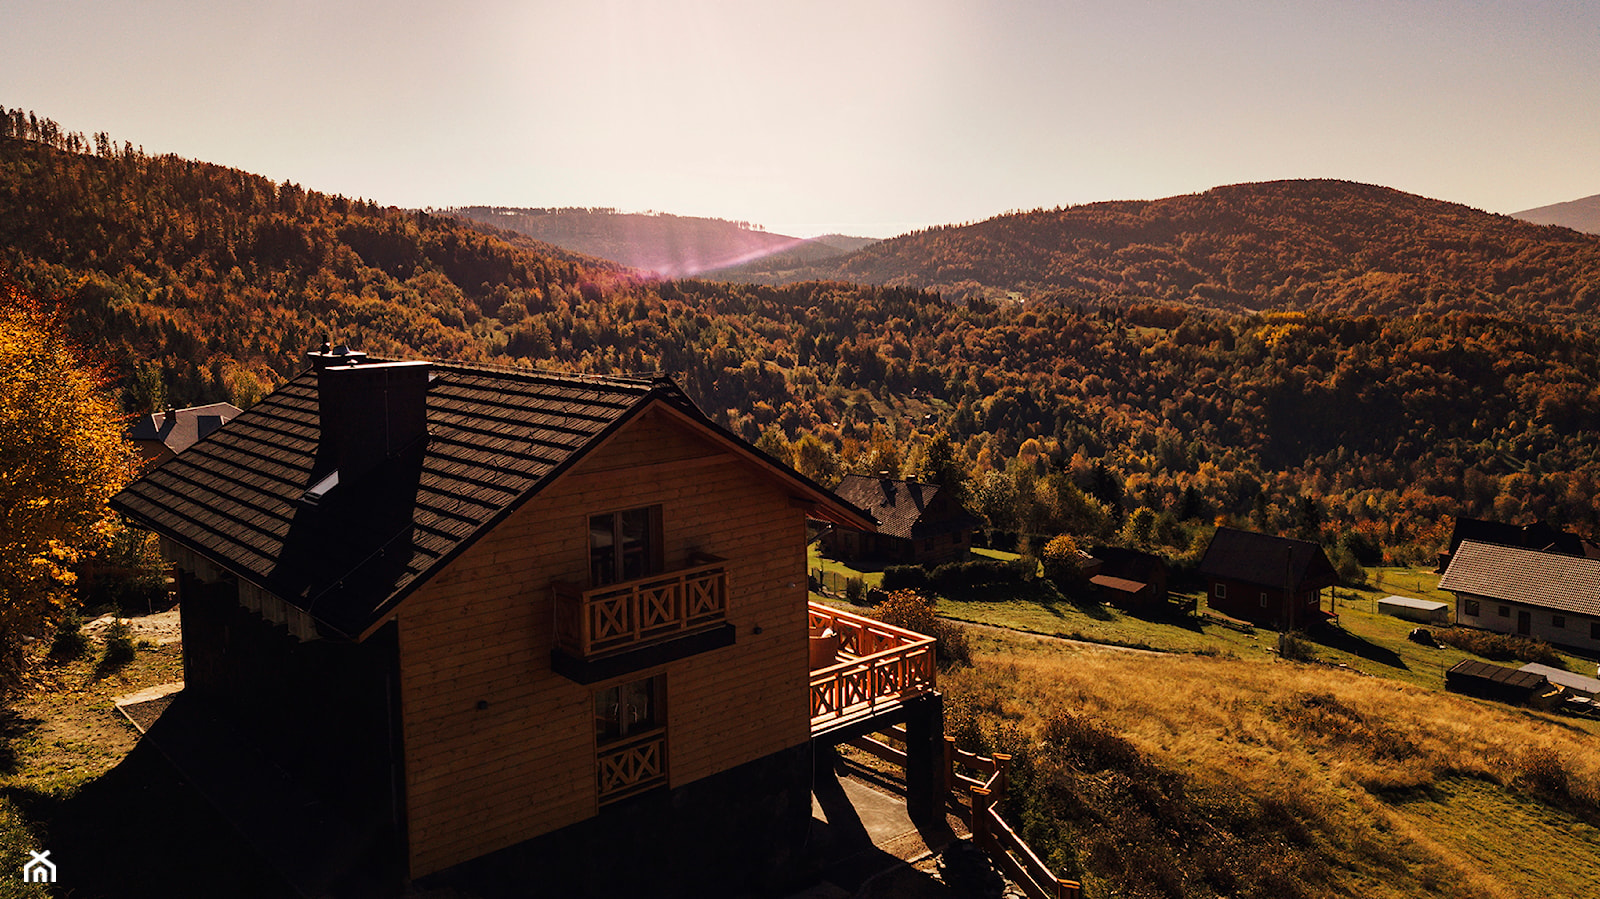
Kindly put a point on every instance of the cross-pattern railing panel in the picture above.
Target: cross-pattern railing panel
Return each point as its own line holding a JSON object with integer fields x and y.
{"x": 632, "y": 766}
{"x": 618, "y": 617}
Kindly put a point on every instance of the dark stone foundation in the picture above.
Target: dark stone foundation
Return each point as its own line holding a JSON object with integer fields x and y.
{"x": 741, "y": 832}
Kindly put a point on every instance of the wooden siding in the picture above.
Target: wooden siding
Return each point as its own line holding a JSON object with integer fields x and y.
{"x": 1243, "y": 600}
{"x": 482, "y": 779}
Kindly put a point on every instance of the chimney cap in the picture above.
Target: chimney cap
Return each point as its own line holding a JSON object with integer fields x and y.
{"x": 326, "y": 357}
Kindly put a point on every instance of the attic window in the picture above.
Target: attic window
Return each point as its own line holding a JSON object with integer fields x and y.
{"x": 320, "y": 489}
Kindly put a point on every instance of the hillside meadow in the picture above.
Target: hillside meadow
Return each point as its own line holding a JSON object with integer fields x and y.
{"x": 1195, "y": 776}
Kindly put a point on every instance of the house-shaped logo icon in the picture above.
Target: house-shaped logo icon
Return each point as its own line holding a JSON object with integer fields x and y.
{"x": 40, "y": 870}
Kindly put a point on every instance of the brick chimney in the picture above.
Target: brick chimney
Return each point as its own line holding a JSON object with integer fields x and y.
{"x": 369, "y": 412}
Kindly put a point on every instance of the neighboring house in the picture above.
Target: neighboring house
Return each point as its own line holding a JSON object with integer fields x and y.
{"x": 1271, "y": 581}
{"x": 552, "y": 623}
{"x": 1548, "y": 596}
{"x": 1539, "y": 535}
{"x": 162, "y": 435}
{"x": 1130, "y": 579}
{"x": 918, "y": 523}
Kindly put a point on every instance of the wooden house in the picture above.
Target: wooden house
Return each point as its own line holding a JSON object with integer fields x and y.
{"x": 1271, "y": 581}
{"x": 1548, "y": 596}
{"x": 162, "y": 435}
{"x": 918, "y": 523}
{"x": 1540, "y": 535}
{"x": 504, "y": 621}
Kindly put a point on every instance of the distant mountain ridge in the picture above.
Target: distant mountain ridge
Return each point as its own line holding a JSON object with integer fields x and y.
{"x": 666, "y": 245}
{"x": 1336, "y": 246}
{"x": 1579, "y": 215}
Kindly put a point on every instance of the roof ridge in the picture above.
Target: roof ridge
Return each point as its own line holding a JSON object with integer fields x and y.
{"x": 644, "y": 379}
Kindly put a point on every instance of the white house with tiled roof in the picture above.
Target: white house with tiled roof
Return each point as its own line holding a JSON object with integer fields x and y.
{"x": 1547, "y": 596}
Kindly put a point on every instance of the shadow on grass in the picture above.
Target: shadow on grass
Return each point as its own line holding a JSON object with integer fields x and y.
{"x": 12, "y": 728}
{"x": 1169, "y": 615}
{"x": 1344, "y": 641}
{"x": 138, "y": 816}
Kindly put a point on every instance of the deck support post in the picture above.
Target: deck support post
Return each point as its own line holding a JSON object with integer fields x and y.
{"x": 925, "y": 786}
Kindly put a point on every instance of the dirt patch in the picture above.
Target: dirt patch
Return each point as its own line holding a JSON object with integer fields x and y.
{"x": 159, "y": 629}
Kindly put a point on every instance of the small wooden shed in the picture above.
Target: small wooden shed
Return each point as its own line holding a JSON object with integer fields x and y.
{"x": 1471, "y": 677}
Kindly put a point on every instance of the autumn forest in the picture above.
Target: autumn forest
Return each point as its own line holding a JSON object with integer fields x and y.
{"x": 1230, "y": 357}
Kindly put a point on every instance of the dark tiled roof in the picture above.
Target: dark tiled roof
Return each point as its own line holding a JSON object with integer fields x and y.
{"x": 494, "y": 437}
{"x": 179, "y": 429}
{"x": 1511, "y": 677}
{"x": 1539, "y": 535}
{"x": 1267, "y": 560}
{"x": 1543, "y": 579}
{"x": 900, "y": 506}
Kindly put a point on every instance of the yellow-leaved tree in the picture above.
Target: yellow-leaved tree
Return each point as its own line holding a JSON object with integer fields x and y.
{"x": 62, "y": 456}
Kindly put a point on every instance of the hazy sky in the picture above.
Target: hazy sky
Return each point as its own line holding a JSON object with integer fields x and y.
{"x": 868, "y": 116}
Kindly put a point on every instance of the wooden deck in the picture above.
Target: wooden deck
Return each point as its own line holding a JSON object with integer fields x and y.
{"x": 874, "y": 669}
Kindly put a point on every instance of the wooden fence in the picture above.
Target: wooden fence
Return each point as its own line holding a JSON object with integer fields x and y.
{"x": 1010, "y": 855}
{"x": 976, "y": 800}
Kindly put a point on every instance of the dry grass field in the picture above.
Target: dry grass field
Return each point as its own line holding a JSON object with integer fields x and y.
{"x": 1194, "y": 776}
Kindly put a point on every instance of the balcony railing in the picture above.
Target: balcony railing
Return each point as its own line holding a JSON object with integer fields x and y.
{"x": 618, "y": 617}
{"x": 631, "y": 766}
{"x": 877, "y": 666}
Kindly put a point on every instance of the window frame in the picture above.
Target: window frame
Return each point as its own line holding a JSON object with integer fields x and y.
{"x": 1219, "y": 590}
{"x": 630, "y": 740}
{"x": 656, "y": 687}
{"x": 655, "y": 554}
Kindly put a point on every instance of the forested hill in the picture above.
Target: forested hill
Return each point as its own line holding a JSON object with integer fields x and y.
{"x": 665, "y": 245}
{"x": 204, "y": 282}
{"x": 201, "y": 283}
{"x": 1329, "y": 246}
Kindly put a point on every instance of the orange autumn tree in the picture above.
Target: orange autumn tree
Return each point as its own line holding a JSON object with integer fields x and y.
{"x": 62, "y": 456}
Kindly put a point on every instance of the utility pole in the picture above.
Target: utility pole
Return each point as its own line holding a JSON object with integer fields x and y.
{"x": 1286, "y": 620}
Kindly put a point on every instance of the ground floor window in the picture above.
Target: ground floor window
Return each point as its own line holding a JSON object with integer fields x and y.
{"x": 1558, "y": 621}
{"x": 1220, "y": 591}
{"x": 1503, "y": 611}
{"x": 1472, "y": 607}
{"x": 630, "y": 736}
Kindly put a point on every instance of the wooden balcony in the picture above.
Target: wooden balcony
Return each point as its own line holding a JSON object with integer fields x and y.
{"x": 615, "y": 618}
{"x": 875, "y": 668}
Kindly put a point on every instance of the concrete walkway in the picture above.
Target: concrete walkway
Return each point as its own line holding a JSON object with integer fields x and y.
{"x": 861, "y": 831}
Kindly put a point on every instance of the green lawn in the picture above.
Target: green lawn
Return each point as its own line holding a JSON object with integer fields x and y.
{"x": 1364, "y": 640}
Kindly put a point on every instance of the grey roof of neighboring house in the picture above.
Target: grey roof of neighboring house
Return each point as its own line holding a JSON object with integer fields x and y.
{"x": 1527, "y": 576}
{"x": 1411, "y": 602}
{"x": 1267, "y": 560}
{"x": 1562, "y": 677}
{"x": 899, "y": 506}
{"x": 179, "y": 429}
